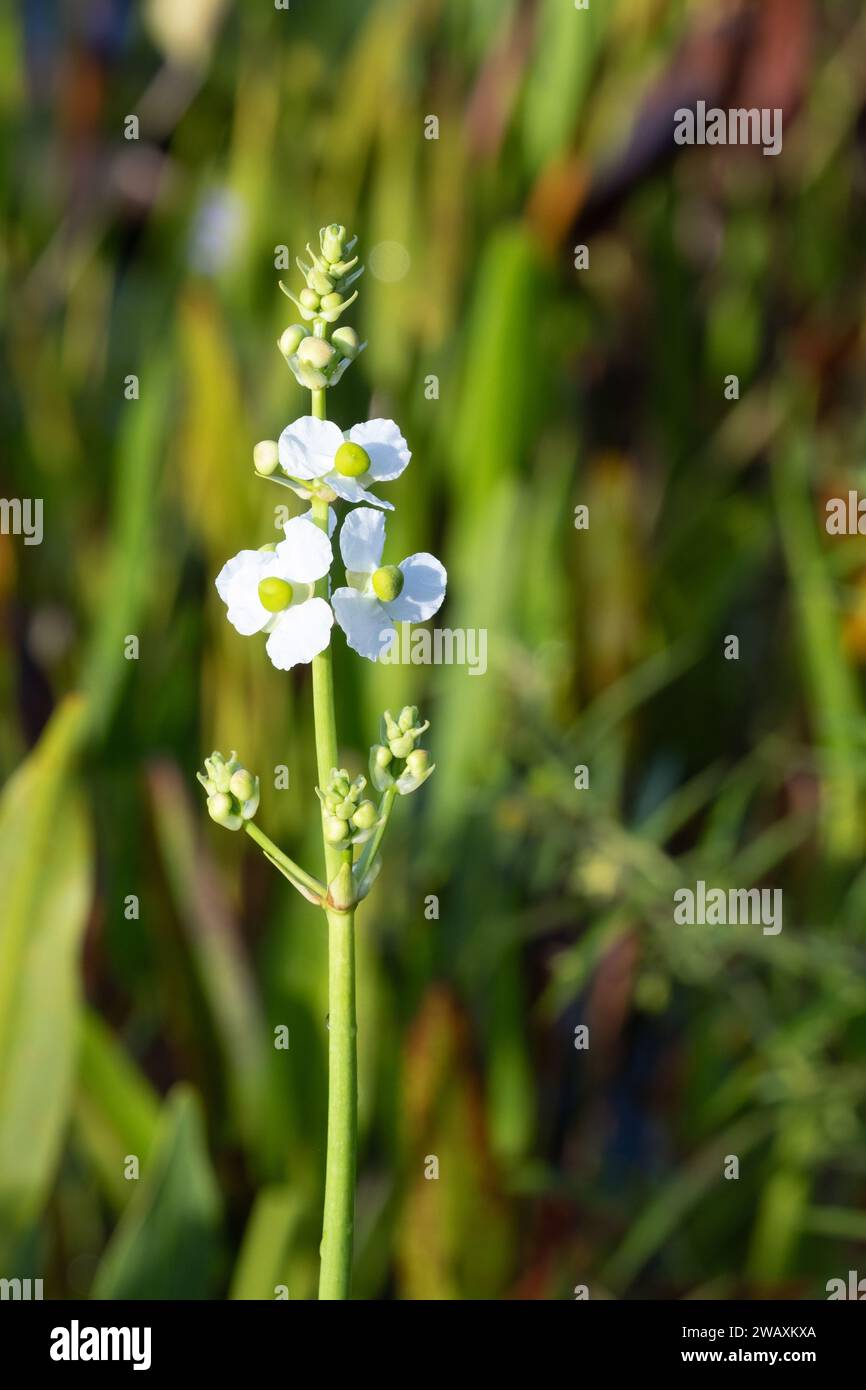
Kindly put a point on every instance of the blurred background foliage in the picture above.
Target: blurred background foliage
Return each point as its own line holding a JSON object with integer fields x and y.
{"x": 153, "y": 1034}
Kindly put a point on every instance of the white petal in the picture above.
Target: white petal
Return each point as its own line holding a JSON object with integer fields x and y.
{"x": 351, "y": 491}
{"x": 424, "y": 583}
{"x": 238, "y": 586}
{"x": 332, "y": 518}
{"x": 307, "y": 447}
{"x": 305, "y": 555}
{"x": 362, "y": 617}
{"x": 362, "y": 540}
{"x": 388, "y": 450}
{"x": 300, "y": 633}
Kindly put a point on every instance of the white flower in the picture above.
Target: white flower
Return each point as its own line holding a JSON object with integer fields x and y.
{"x": 380, "y": 596}
{"x": 317, "y": 452}
{"x": 271, "y": 591}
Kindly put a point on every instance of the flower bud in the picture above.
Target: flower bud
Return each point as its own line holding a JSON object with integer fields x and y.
{"x": 347, "y": 342}
{"x": 309, "y": 299}
{"x": 243, "y": 785}
{"x": 232, "y": 791}
{"x": 309, "y": 378}
{"x": 401, "y": 747}
{"x": 341, "y": 891}
{"x": 335, "y": 829}
{"x": 291, "y": 339}
{"x": 266, "y": 457}
{"x": 322, "y": 284}
{"x": 219, "y": 771}
{"x": 333, "y": 305}
{"x": 380, "y": 758}
{"x": 333, "y": 241}
{"x": 408, "y": 718}
{"x": 418, "y": 762}
{"x": 392, "y": 728}
{"x": 365, "y": 816}
{"x": 221, "y": 809}
{"x": 315, "y": 352}
{"x": 345, "y": 809}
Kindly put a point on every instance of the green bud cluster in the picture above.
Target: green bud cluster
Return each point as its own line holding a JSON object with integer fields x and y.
{"x": 315, "y": 362}
{"x": 328, "y": 276}
{"x": 348, "y": 818}
{"x": 396, "y": 761}
{"x": 232, "y": 791}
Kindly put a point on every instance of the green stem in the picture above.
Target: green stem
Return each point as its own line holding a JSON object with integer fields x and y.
{"x": 335, "y": 1277}
{"x": 371, "y": 848}
{"x": 298, "y": 877}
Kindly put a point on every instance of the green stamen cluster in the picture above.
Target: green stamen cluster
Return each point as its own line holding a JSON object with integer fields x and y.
{"x": 351, "y": 460}
{"x": 275, "y": 594}
{"x": 388, "y": 583}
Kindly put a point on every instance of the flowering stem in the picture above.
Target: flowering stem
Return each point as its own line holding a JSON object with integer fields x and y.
{"x": 310, "y": 887}
{"x": 371, "y": 848}
{"x": 335, "y": 1277}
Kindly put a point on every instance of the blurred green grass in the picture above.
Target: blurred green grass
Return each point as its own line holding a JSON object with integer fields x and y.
{"x": 148, "y": 1032}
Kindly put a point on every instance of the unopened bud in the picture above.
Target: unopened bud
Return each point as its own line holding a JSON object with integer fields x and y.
{"x": 243, "y": 785}
{"x": 266, "y": 457}
{"x": 408, "y": 717}
{"x": 315, "y": 352}
{"x": 365, "y": 816}
{"x": 291, "y": 339}
{"x": 221, "y": 809}
{"x": 322, "y": 284}
{"x": 418, "y": 762}
{"x": 347, "y": 342}
{"x": 335, "y": 830}
{"x": 341, "y": 891}
{"x": 309, "y": 299}
{"x": 402, "y": 747}
{"x": 332, "y": 240}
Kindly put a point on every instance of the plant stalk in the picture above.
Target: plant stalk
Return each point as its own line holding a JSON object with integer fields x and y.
{"x": 335, "y": 1277}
